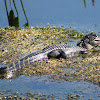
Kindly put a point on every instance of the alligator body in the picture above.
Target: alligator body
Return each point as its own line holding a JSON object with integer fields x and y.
{"x": 57, "y": 51}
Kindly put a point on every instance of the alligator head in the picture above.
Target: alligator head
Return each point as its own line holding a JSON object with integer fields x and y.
{"x": 89, "y": 41}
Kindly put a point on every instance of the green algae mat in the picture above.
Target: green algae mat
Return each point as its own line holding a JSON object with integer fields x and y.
{"x": 16, "y": 43}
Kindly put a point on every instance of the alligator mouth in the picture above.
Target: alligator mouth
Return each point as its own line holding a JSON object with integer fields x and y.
{"x": 97, "y": 39}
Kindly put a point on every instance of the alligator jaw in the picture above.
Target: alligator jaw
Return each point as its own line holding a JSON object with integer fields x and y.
{"x": 97, "y": 39}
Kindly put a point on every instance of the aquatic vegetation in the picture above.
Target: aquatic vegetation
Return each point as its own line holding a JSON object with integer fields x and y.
{"x": 38, "y": 96}
{"x": 16, "y": 43}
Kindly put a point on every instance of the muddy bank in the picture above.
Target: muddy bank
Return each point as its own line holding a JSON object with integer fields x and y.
{"x": 16, "y": 43}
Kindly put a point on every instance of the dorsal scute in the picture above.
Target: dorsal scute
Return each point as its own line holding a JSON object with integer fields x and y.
{"x": 49, "y": 48}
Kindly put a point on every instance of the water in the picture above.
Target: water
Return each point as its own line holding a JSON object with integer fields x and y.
{"x": 57, "y": 12}
{"x": 69, "y": 13}
{"x": 25, "y": 84}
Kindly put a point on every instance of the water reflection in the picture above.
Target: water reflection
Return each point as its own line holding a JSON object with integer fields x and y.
{"x": 93, "y": 3}
{"x": 14, "y": 21}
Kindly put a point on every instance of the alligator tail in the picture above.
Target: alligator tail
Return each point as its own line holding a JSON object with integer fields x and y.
{"x": 19, "y": 64}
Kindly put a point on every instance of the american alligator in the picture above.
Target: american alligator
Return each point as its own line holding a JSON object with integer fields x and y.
{"x": 58, "y": 51}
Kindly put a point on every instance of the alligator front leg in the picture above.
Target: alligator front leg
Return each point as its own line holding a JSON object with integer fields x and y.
{"x": 57, "y": 54}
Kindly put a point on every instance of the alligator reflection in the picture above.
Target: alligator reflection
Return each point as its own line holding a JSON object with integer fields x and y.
{"x": 93, "y": 3}
{"x": 95, "y": 54}
{"x": 14, "y": 21}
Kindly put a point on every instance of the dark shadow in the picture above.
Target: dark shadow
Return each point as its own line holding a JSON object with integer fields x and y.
{"x": 12, "y": 20}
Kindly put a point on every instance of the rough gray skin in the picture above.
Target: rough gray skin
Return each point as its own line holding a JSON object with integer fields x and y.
{"x": 57, "y": 51}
